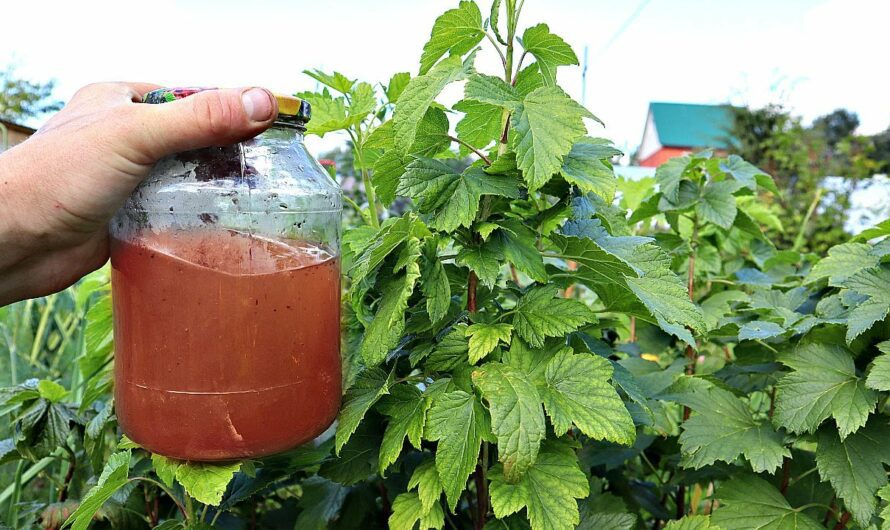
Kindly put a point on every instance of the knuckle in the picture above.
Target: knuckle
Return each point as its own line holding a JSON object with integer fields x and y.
{"x": 215, "y": 114}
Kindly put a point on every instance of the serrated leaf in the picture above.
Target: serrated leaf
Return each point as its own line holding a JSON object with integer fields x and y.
{"x": 321, "y": 502}
{"x": 406, "y": 407}
{"x": 722, "y": 427}
{"x": 407, "y": 512}
{"x": 370, "y": 386}
{"x": 388, "y": 170}
{"x": 748, "y": 174}
{"x": 457, "y": 421}
{"x": 517, "y": 419}
{"x": 51, "y": 391}
{"x": 873, "y": 283}
{"x": 759, "y": 329}
{"x": 668, "y": 176}
{"x": 879, "y": 375}
{"x": 823, "y": 384}
{"x": 481, "y": 125}
{"x": 387, "y": 239}
{"x": 386, "y": 328}
{"x": 206, "y": 482}
{"x": 436, "y": 288}
{"x": 584, "y": 167}
{"x": 420, "y": 94}
{"x": 396, "y": 86}
{"x": 454, "y": 198}
{"x": 165, "y": 468}
{"x": 843, "y": 261}
{"x": 549, "y": 50}
{"x": 113, "y": 477}
{"x": 426, "y": 479}
{"x": 491, "y": 90}
{"x": 692, "y": 522}
{"x": 484, "y": 259}
{"x": 717, "y": 204}
{"x": 750, "y": 502}
{"x": 337, "y": 81}
{"x": 456, "y": 31}
{"x": 855, "y": 466}
{"x": 548, "y": 490}
{"x": 546, "y": 124}
{"x": 539, "y": 315}
{"x": 484, "y": 338}
{"x": 577, "y": 391}
{"x": 520, "y": 249}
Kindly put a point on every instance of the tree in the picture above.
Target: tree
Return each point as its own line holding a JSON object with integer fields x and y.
{"x": 21, "y": 99}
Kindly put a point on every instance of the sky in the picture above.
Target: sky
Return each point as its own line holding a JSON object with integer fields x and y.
{"x": 813, "y": 56}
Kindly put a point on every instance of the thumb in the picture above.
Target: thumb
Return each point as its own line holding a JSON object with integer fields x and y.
{"x": 214, "y": 117}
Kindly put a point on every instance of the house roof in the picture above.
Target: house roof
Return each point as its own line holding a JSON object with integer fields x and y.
{"x": 12, "y": 126}
{"x": 691, "y": 125}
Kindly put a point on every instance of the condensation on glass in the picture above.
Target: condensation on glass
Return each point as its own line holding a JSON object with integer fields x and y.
{"x": 226, "y": 290}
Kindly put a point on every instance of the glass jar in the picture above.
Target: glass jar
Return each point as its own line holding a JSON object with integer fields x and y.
{"x": 226, "y": 291}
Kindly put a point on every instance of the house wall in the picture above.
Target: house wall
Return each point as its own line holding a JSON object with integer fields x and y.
{"x": 17, "y": 134}
{"x": 663, "y": 155}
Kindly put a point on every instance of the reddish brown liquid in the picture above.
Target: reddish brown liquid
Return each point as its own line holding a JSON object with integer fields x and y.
{"x": 226, "y": 346}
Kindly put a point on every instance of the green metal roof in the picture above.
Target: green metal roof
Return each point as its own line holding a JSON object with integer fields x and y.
{"x": 692, "y": 125}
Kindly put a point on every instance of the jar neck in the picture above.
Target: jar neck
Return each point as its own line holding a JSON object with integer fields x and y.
{"x": 285, "y": 131}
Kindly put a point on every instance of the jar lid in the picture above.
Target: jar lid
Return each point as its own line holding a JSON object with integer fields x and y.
{"x": 290, "y": 108}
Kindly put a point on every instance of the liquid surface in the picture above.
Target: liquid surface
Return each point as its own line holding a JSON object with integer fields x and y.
{"x": 226, "y": 345}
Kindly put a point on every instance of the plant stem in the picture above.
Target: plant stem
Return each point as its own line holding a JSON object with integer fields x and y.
{"x": 801, "y": 231}
{"x": 12, "y": 514}
{"x": 498, "y": 48}
{"x": 366, "y": 180}
{"x": 204, "y": 513}
{"x": 40, "y": 336}
{"x": 72, "y": 464}
{"x": 786, "y": 475}
{"x": 478, "y": 153}
{"x": 472, "y": 281}
{"x": 842, "y": 522}
{"x": 481, "y": 488}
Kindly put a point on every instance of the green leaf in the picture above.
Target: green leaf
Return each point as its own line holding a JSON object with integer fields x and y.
{"x": 484, "y": 259}
{"x": 432, "y": 134}
{"x": 481, "y": 125}
{"x": 165, "y": 468}
{"x": 387, "y": 171}
{"x": 321, "y": 503}
{"x": 692, "y": 522}
{"x": 113, "y": 477}
{"x": 879, "y": 375}
{"x": 484, "y": 338}
{"x": 206, "y": 482}
{"x": 407, "y": 511}
{"x": 668, "y": 301}
{"x": 539, "y": 315}
{"x": 385, "y": 241}
{"x": 577, "y": 390}
{"x": 436, "y": 289}
{"x": 747, "y": 174}
{"x": 668, "y": 176}
{"x": 386, "y": 328}
{"x": 457, "y": 421}
{"x": 584, "y": 167}
{"x": 842, "y": 262}
{"x": 717, "y": 204}
{"x": 456, "y": 31}
{"x": 875, "y": 284}
{"x": 453, "y": 197}
{"x": 51, "y": 391}
{"x": 406, "y": 408}
{"x": 520, "y": 248}
{"x": 491, "y": 90}
{"x": 337, "y": 81}
{"x": 750, "y": 502}
{"x": 549, "y": 50}
{"x": 426, "y": 479}
{"x": 722, "y": 427}
{"x": 517, "y": 419}
{"x": 855, "y": 466}
{"x": 420, "y": 94}
{"x": 547, "y": 124}
{"x": 396, "y": 86}
{"x": 823, "y": 383}
{"x": 370, "y": 386}
{"x": 548, "y": 490}
{"x": 759, "y": 329}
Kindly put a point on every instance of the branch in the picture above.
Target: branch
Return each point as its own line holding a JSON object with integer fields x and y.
{"x": 496, "y": 47}
{"x": 479, "y": 153}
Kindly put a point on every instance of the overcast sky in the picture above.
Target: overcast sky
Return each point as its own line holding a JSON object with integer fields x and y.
{"x": 812, "y": 55}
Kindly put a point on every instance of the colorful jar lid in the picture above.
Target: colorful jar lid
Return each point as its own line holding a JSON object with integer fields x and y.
{"x": 290, "y": 108}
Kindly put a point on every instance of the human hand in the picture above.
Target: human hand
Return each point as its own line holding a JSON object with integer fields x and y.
{"x": 59, "y": 189}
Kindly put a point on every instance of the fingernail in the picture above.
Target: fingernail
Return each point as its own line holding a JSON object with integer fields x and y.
{"x": 257, "y": 104}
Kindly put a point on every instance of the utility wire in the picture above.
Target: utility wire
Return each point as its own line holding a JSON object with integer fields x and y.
{"x": 627, "y": 23}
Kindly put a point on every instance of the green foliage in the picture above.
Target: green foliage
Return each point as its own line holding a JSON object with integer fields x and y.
{"x": 21, "y": 99}
{"x": 531, "y": 343}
